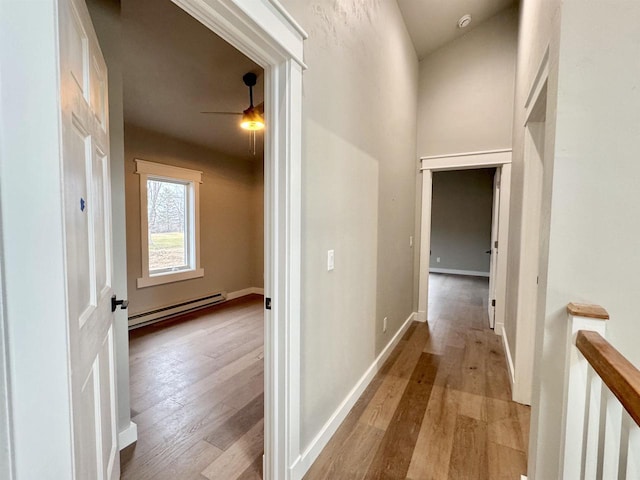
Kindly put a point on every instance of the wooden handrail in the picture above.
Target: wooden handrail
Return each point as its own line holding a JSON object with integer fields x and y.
{"x": 587, "y": 310}
{"x": 618, "y": 373}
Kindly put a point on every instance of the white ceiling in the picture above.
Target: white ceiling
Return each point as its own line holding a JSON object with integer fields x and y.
{"x": 174, "y": 68}
{"x": 433, "y": 23}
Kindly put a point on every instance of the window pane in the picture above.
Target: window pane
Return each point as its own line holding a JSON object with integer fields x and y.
{"x": 167, "y": 203}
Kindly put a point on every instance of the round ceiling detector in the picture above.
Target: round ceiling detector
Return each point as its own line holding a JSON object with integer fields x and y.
{"x": 464, "y": 21}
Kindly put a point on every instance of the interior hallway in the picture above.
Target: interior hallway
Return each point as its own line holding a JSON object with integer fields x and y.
{"x": 197, "y": 385}
{"x": 440, "y": 407}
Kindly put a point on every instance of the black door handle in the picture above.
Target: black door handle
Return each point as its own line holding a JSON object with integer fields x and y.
{"x": 114, "y": 303}
{"x": 488, "y": 251}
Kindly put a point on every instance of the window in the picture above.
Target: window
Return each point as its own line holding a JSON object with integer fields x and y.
{"x": 169, "y": 220}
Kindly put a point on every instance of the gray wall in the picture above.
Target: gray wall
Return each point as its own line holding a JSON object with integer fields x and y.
{"x": 359, "y": 167}
{"x": 230, "y": 207}
{"x": 461, "y": 213}
{"x": 466, "y": 89}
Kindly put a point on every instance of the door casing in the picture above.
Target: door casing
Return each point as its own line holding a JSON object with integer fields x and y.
{"x": 500, "y": 159}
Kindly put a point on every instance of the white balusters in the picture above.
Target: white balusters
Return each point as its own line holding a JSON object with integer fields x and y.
{"x": 575, "y": 398}
{"x": 601, "y": 440}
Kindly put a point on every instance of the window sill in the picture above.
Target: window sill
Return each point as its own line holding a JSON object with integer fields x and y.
{"x": 169, "y": 277}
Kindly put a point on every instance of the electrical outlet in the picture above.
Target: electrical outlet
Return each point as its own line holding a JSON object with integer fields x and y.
{"x": 384, "y": 325}
{"x": 437, "y": 259}
{"x": 330, "y": 260}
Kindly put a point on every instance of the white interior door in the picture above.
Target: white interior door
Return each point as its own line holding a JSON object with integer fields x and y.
{"x": 83, "y": 82}
{"x": 495, "y": 222}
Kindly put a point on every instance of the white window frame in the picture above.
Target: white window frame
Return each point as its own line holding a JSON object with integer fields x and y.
{"x": 192, "y": 178}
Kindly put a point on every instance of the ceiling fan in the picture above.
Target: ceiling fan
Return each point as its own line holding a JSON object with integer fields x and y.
{"x": 253, "y": 116}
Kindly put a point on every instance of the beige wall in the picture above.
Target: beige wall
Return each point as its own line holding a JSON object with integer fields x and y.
{"x": 461, "y": 211}
{"x": 465, "y": 96}
{"x": 590, "y": 220}
{"x": 539, "y": 28}
{"x": 466, "y": 89}
{"x": 359, "y": 169}
{"x": 230, "y": 207}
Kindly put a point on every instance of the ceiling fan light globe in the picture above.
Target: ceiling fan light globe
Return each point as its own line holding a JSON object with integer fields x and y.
{"x": 252, "y": 125}
{"x": 252, "y": 120}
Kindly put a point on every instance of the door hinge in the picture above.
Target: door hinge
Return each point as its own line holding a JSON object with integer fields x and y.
{"x": 496, "y": 244}
{"x": 493, "y": 302}
{"x": 267, "y": 303}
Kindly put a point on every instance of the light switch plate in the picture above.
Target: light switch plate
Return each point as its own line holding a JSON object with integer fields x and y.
{"x": 330, "y": 260}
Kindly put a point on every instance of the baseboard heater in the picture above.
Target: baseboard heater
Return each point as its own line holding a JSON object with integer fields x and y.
{"x": 159, "y": 314}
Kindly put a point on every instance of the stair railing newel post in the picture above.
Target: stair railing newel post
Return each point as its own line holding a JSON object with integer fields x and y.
{"x": 582, "y": 396}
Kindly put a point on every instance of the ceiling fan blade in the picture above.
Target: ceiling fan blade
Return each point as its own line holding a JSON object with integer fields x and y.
{"x": 223, "y": 113}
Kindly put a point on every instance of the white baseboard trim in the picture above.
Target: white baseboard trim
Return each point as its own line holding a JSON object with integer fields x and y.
{"x": 244, "y": 292}
{"x": 310, "y": 454}
{"x": 164, "y": 313}
{"x": 507, "y": 353}
{"x": 127, "y": 436}
{"x": 421, "y": 317}
{"x": 471, "y": 273}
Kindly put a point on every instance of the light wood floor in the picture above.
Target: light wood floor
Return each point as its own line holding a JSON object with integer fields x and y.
{"x": 197, "y": 387}
{"x": 440, "y": 407}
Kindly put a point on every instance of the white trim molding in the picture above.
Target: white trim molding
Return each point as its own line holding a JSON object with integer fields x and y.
{"x": 466, "y": 160}
{"x": 331, "y": 426}
{"x": 507, "y": 352}
{"x": 191, "y": 179}
{"x": 263, "y": 31}
{"x": 128, "y": 436}
{"x": 526, "y": 314}
{"x": 500, "y": 159}
{"x": 453, "y": 271}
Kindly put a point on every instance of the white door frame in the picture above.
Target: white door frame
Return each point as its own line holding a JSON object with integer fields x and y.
{"x": 465, "y": 161}
{"x": 262, "y": 30}
{"x": 33, "y": 238}
{"x": 527, "y": 314}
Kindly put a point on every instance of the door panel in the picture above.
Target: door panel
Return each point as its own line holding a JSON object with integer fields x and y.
{"x": 87, "y": 190}
{"x": 495, "y": 219}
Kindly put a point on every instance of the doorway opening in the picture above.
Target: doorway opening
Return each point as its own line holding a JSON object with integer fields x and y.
{"x": 194, "y": 197}
{"x": 531, "y": 247}
{"x": 499, "y": 161}
{"x": 173, "y": 66}
{"x": 464, "y": 227}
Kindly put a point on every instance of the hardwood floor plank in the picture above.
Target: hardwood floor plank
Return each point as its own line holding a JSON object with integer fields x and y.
{"x": 394, "y": 453}
{"x": 382, "y": 407}
{"x": 465, "y": 427}
{"x": 234, "y": 461}
{"x": 432, "y": 453}
{"x": 185, "y": 464}
{"x": 253, "y": 471}
{"x": 469, "y": 455}
{"x": 505, "y": 463}
{"x": 198, "y": 379}
{"x": 235, "y": 426}
{"x": 353, "y": 459}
